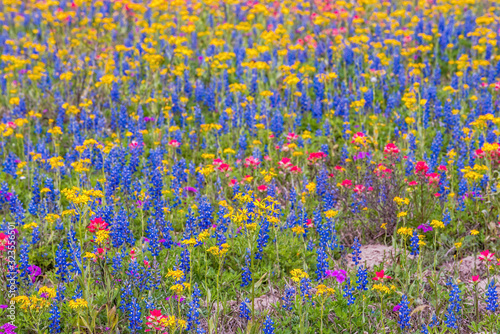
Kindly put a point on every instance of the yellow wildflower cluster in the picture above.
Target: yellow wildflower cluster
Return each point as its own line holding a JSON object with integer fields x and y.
{"x": 219, "y": 251}
{"x": 78, "y": 303}
{"x": 400, "y": 201}
{"x": 324, "y": 290}
{"x": 437, "y": 224}
{"x": 298, "y": 274}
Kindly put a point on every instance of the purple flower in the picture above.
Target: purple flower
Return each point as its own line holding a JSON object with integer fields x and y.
{"x": 4, "y": 306}
{"x": 425, "y": 228}
{"x": 340, "y": 275}
{"x": 361, "y": 155}
{"x": 191, "y": 190}
{"x": 396, "y": 308}
{"x": 34, "y": 272}
{"x": 8, "y": 328}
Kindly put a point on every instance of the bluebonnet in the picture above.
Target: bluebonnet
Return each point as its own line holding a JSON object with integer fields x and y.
{"x": 287, "y": 299}
{"x": 23, "y": 263}
{"x": 268, "y": 326}
{"x": 194, "y": 313}
{"x": 415, "y": 248}
{"x": 244, "y": 310}
{"x": 134, "y": 316}
{"x": 491, "y": 297}
{"x": 348, "y": 290}
{"x": 322, "y": 263}
{"x": 55, "y": 318}
{"x": 362, "y": 278}
{"x": 453, "y": 310}
{"x": 404, "y": 314}
{"x": 356, "y": 252}
{"x": 246, "y": 275}
{"x": 262, "y": 238}
{"x": 61, "y": 263}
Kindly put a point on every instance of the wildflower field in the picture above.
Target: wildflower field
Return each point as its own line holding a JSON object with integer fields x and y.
{"x": 230, "y": 166}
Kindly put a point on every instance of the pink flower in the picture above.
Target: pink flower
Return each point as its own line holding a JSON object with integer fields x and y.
{"x": 224, "y": 167}
{"x": 421, "y": 168}
{"x": 359, "y": 188}
{"x": 346, "y": 183}
{"x": 292, "y": 136}
{"x": 217, "y": 162}
{"x": 285, "y": 163}
{"x": 251, "y": 161}
{"x": 486, "y": 256}
{"x": 296, "y": 170}
{"x": 433, "y": 178}
{"x": 262, "y": 188}
{"x": 479, "y": 153}
{"x": 442, "y": 168}
{"x": 315, "y": 156}
{"x": 174, "y": 143}
{"x": 475, "y": 278}
{"x": 391, "y": 149}
{"x": 380, "y": 276}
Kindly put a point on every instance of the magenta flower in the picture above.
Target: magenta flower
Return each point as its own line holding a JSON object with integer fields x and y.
{"x": 340, "y": 275}
{"x": 425, "y": 228}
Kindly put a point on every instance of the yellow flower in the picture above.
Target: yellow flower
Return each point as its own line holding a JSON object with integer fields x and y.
{"x": 405, "y": 231}
{"x": 79, "y": 303}
{"x": 189, "y": 242}
{"x": 298, "y": 274}
{"x": 474, "y": 232}
{"x": 298, "y": 230}
{"x": 437, "y": 224}
{"x": 101, "y": 236}
{"x": 382, "y": 288}
{"x": 178, "y": 288}
{"x": 324, "y": 290}
{"x": 402, "y": 214}
{"x": 458, "y": 245}
{"x": 177, "y": 274}
{"x": 331, "y": 213}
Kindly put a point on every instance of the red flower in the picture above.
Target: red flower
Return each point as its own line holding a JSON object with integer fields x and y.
{"x": 391, "y": 149}
{"x": 224, "y": 167}
{"x": 443, "y": 168}
{"x": 380, "y": 276}
{"x": 217, "y": 162}
{"x": 479, "y": 153}
{"x": 4, "y": 241}
{"x": 292, "y": 136}
{"x": 174, "y": 143}
{"x": 433, "y": 178}
{"x": 359, "y": 188}
{"x": 421, "y": 168}
{"x": 296, "y": 170}
{"x": 155, "y": 321}
{"x": 346, "y": 183}
{"x": 486, "y": 256}
{"x": 251, "y": 161}
{"x": 262, "y": 188}
{"x": 285, "y": 163}
{"x": 97, "y": 224}
{"x": 315, "y": 156}
{"x": 475, "y": 278}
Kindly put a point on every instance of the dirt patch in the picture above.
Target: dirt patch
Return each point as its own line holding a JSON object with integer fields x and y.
{"x": 467, "y": 267}
{"x": 373, "y": 255}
